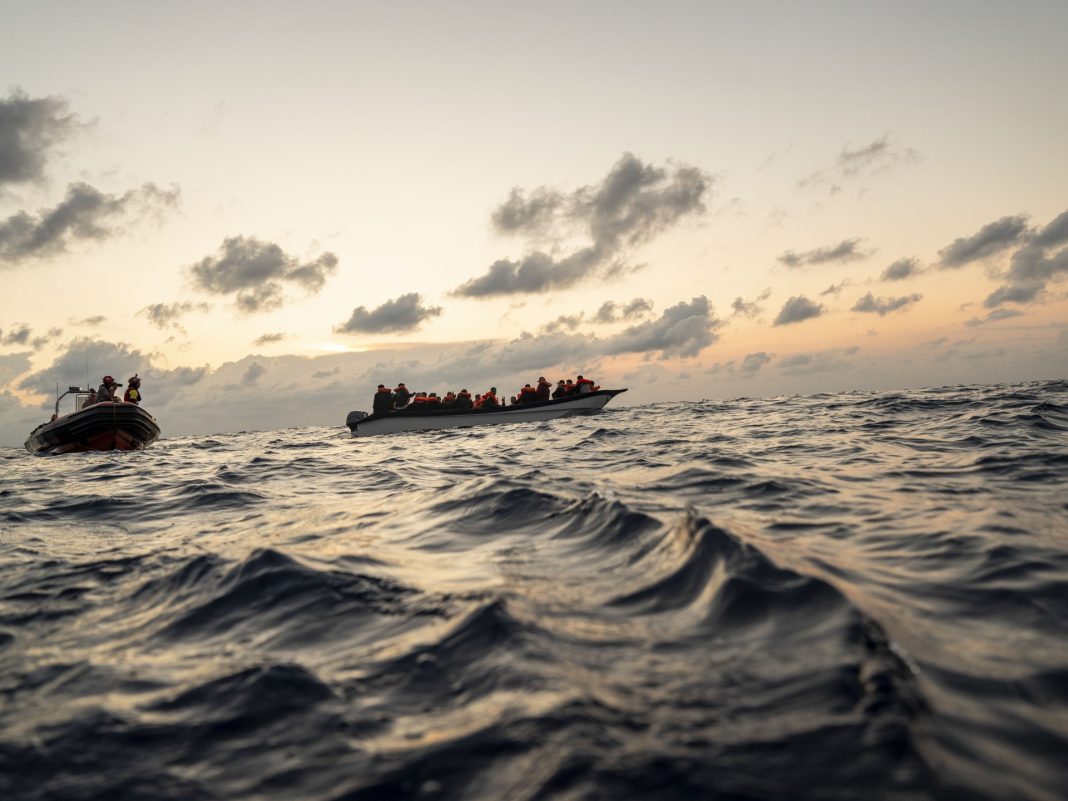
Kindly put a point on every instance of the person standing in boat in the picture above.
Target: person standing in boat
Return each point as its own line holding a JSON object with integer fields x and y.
{"x": 382, "y": 401}
{"x": 543, "y": 390}
{"x": 133, "y": 390}
{"x": 106, "y": 391}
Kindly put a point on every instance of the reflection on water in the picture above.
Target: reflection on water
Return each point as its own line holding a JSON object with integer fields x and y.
{"x": 838, "y": 596}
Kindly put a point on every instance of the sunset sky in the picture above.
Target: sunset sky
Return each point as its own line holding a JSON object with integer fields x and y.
{"x": 268, "y": 208}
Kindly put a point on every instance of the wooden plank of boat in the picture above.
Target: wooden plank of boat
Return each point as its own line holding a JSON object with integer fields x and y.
{"x": 362, "y": 424}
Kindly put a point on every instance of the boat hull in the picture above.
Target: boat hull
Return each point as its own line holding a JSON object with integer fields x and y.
{"x": 101, "y": 427}
{"x": 363, "y": 425}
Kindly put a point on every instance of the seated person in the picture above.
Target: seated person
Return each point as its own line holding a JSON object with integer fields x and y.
{"x": 383, "y": 400}
{"x": 527, "y": 394}
{"x": 463, "y": 400}
{"x": 489, "y": 399}
{"x": 449, "y": 399}
{"x": 433, "y": 401}
{"x": 583, "y": 385}
{"x": 561, "y": 389}
{"x": 401, "y": 396}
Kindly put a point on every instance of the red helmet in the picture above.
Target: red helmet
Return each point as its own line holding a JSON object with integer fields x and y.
{"x": 109, "y": 380}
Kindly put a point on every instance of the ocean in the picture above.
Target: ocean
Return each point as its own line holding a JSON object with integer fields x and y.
{"x": 860, "y": 595}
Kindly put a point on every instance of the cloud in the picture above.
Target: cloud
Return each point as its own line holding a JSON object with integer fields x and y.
{"x": 990, "y": 239}
{"x": 797, "y": 309}
{"x": 993, "y": 317}
{"x": 13, "y": 365}
{"x": 29, "y": 129}
{"x": 267, "y": 339}
{"x": 167, "y": 315}
{"x": 394, "y": 316}
{"x": 1032, "y": 267}
{"x": 86, "y": 214}
{"x": 321, "y": 374}
{"x": 39, "y": 342}
{"x": 682, "y": 330}
{"x": 255, "y": 270}
{"x": 19, "y": 335}
{"x": 900, "y": 269}
{"x": 859, "y": 162}
{"x": 834, "y": 289}
{"x": 253, "y": 373}
{"x": 750, "y": 308}
{"x": 934, "y": 343}
{"x": 633, "y": 204}
{"x": 883, "y": 306}
{"x": 845, "y": 251}
{"x": 824, "y": 361}
{"x": 89, "y": 322}
{"x": 568, "y": 321}
{"x": 611, "y": 312}
{"x": 752, "y": 362}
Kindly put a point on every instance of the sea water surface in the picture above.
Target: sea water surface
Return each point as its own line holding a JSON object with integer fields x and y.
{"x": 858, "y": 595}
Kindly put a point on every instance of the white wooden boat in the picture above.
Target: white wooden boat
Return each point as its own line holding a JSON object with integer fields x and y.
{"x": 413, "y": 419}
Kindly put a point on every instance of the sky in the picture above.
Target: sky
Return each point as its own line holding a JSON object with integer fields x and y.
{"x": 266, "y": 209}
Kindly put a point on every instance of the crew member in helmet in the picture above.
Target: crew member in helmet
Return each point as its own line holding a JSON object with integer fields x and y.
{"x": 106, "y": 390}
{"x": 133, "y": 390}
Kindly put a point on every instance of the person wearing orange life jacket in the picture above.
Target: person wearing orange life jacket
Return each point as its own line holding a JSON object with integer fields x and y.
{"x": 133, "y": 390}
{"x": 433, "y": 401}
{"x": 449, "y": 399}
{"x": 489, "y": 399}
{"x": 543, "y": 389}
{"x": 463, "y": 400}
{"x": 527, "y": 394}
{"x": 583, "y": 385}
{"x": 420, "y": 400}
{"x": 383, "y": 400}
{"x": 401, "y": 396}
{"x": 478, "y": 402}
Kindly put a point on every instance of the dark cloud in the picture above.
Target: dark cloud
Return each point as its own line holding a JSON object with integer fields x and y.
{"x": 267, "y": 339}
{"x": 634, "y": 203}
{"x": 86, "y": 214}
{"x": 255, "y": 270}
{"x": 29, "y": 128}
{"x": 89, "y": 322}
{"x": 39, "y": 342}
{"x": 834, "y": 289}
{"x": 900, "y": 269}
{"x": 612, "y": 312}
{"x": 859, "y": 162}
{"x": 565, "y": 321}
{"x": 824, "y": 361}
{"x": 394, "y": 316}
{"x": 845, "y": 251}
{"x": 750, "y": 308}
{"x": 187, "y": 376}
{"x": 992, "y": 317}
{"x": 253, "y": 374}
{"x": 1032, "y": 267}
{"x": 529, "y": 215}
{"x": 797, "y": 309}
{"x": 883, "y": 306}
{"x": 19, "y": 335}
{"x": 13, "y": 365}
{"x": 321, "y": 374}
{"x": 752, "y": 362}
{"x": 682, "y": 330}
{"x": 990, "y": 239}
{"x": 167, "y": 315}
{"x": 87, "y": 359}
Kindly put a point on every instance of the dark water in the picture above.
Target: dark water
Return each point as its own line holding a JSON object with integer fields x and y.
{"x": 843, "y": 596}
